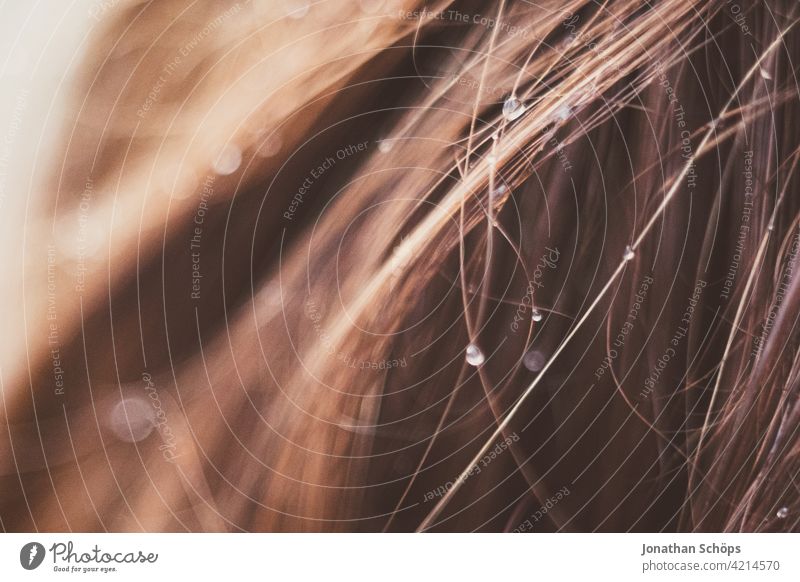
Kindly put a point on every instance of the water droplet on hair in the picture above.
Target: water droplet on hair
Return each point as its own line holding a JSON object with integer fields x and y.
{"x": 228, "y": 160}
{"x": 385, "y": 146}
{"x": 782, "y": 513}
{"x": 513, "y": 108}
{"x": 771, "y": 226}
{"x": 474, "y": 355}
{"x": 533, "y": 360}
{"x": 536, "y": 315}
{"x": 563, "y": 113}
{"x": 765, "y": 74}
{"x": 628, "y": 254}
{"x": 132, "y": 419}
{"x": 499, "y": 191}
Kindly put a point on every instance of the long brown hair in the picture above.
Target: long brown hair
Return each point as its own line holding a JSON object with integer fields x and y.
{"x": 401, "y": 265}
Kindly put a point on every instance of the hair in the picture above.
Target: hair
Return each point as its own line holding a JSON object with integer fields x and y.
{"x": 401, "y": 265}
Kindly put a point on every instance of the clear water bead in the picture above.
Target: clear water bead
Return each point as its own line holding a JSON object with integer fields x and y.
{"x": 228, "y": 160}
{"x": 385, "y": 146}
{"x": 564, "y": 112}
{"x": 533, "y": 360}
{"x": 132, "y": 419}
{"x": 474, "y": 355}
{"x": 536, "y": 315}
{"x": 782, "y": 513}
{"x": 513, "y": 108}
{"x": 628, "y": 254}
{"x": 771, "y": 226}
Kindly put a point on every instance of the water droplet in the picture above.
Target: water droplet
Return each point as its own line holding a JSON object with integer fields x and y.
{"x": 474, "y": 355}
{"x": 771, "y": 226}
{"x": 385, "y": 146}
{"x": 765, "y": 74}
{"x": 499, "y": 191}
{"x": 132, "y": 419}
{"x": 533, "y": 360}
{"x": 782, "y": 513}
{"x": 513, "y": 108}
{"x": 228, "y": 160}
{"x": 628, "y": 254}
{"x": 564, "y": 112}
{"x": 536, "y": 315}
{"x": 491, "y": 159}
